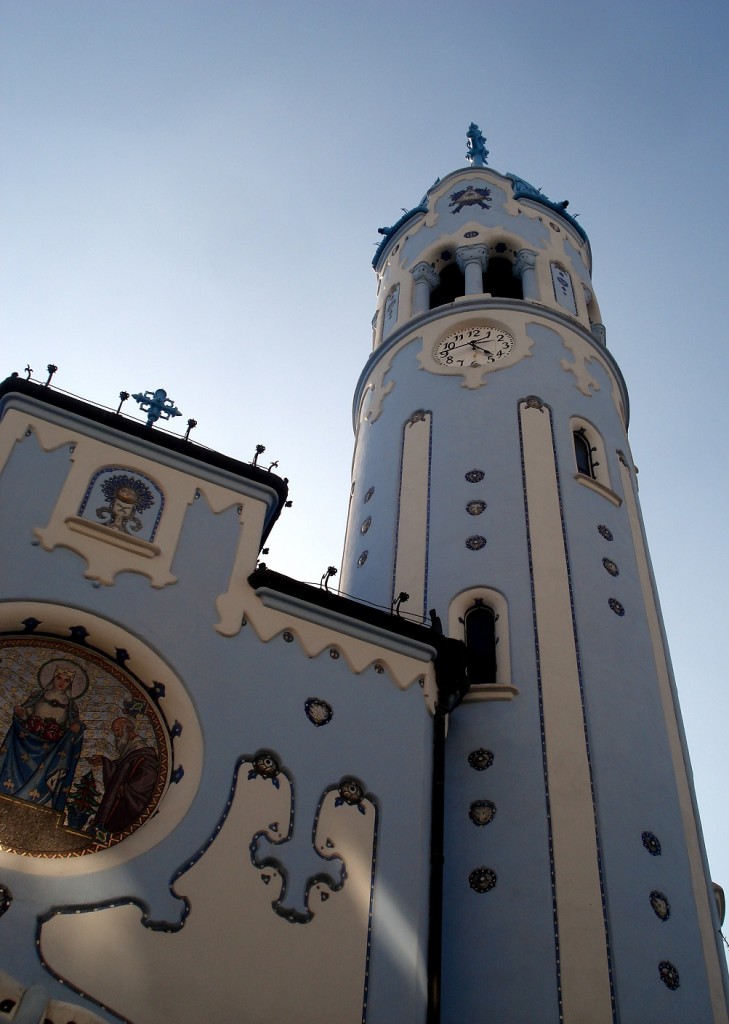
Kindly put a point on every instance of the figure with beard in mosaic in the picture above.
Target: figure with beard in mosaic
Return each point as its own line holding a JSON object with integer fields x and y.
{"x": 129, "y": 780}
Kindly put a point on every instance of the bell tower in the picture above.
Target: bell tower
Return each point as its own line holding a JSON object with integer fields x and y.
{"x": 494, "y": 491}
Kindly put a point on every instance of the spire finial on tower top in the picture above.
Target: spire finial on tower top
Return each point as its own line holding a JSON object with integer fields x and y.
{"x": 477, "y": 152}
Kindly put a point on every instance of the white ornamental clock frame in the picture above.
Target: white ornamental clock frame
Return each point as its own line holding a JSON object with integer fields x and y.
{"x": 474, "y": 349}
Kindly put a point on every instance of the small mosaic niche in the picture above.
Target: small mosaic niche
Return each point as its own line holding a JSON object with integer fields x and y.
{"x": 362, "y": 558}
{"x": 669, "y": 975}
{"x": 475, "y": 543}
{"x": 123, "y": 500}
{"x": 475, "y": 476}
{"x": 368, "y": 494}
{"x": 318, "y": 711}
{"x": 475, "y": 508}
{"x": 604, "y": 532}
{"x": 610, "y": 567}
{"x": 481, "y": 812}
{"x": 366, "y": 523}
{"x": 652, "y": 843}
{"x": 616, "y": 606}
{"x": 660, "y": 904}
{"x": 482, "y": 879}
{"x": 480, "y": 759}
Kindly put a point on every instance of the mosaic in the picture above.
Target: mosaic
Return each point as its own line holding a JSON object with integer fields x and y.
{"x": 475, "y": 476}
{"x": 124, "y": 501}
{"x": 475, "y": 543}
{"x": 611, "y": 567}
{"x": 604, "y": 532}
{"x": 651, "y": 843}
{"x": 470, "y": 196}
{"x": 368, "y": 495}
{"x": 475, "y": 508}
{"x": 616, "y": 606}
{"x": 363, "y": 558}
{"x": 480, "y": 759}
{"x": 318, "y": 711}
{"x": 669, "y": 974}
{"x": 482, "y": 879}
{"x": 660, "y": 905}
{"x": 366, "y": 525}
{"x": 84, "y": 760}
{"x": 481, "y": 812}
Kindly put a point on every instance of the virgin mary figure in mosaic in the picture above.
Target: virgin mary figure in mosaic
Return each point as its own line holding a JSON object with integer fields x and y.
{"x": 41, "y": 749}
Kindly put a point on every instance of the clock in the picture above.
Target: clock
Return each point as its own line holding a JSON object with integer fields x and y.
{"x": 473, "y": 347}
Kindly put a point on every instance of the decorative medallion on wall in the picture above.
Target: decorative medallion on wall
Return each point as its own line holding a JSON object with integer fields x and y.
{"x": 475, "y": 508}
{"x": 482, "y": 879}
{"x": 366, "y": 525}
{"x": 475, "y": 543}
{"x": 604, "y": 532}
{"x": 288, "y": 636}
{"x": 534, "y": 402}
{"x": 470, "y": 234}
{"x": 368, "y": 495}
{"x": 616, "y": 606}
{"x": 660, "y": 905}
{"x": 481, "y": 812}
{"x": 124, "y": 501}
{"x": 651, "y": 843}
{"x": 475, "y": 476}
{"x": 611, "y": 567}
{"x": 265, "y": 765}
{"x": 351, "y": 792}
{"x": 85, "y": 758}
{"x": 669, "y": 974}
{"x": 480, "y": 759}
{"x": 362, "y": 558}
{"x": 470, "y": 196}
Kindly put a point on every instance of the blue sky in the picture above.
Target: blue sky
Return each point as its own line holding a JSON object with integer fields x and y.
{"x": 190, "y": 196}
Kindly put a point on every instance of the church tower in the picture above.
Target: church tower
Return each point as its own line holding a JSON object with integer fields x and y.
{"x": 494, "y": 490}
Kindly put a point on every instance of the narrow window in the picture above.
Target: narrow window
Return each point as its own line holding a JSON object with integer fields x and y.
{"x": 583, "y": 454}
{"x": 500, "y": 281}
{"x": 452, "y": 286}
{"x": 480, "y": 630}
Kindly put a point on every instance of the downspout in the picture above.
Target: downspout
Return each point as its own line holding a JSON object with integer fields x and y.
{"x": 452, "y": 686}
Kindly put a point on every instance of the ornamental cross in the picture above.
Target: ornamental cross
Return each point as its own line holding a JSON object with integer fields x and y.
{"x": 156, "y": 405}
{"x": 476, "y": 153}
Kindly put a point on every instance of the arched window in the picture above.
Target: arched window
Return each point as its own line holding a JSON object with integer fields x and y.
{"x": 584, "y": 452}
{"x": 452, "y": 286}
{"x": 480, "y": 635}
{"x": 500, "y": 281}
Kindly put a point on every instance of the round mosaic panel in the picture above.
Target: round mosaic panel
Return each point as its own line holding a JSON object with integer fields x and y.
{"x": 366, "y": 525}
{"x": 480, "y": 759}
{"x": 481, "y": 812}
{"x": 85, "y": 758}
{"x": 616, "y": 606}
{"x": 363, "y": 558}
{"x": 475, "y": 476}
{"x": 475, "y": 508}
{"x": 669, "y": 974}
{"x": 652, "y": 844}
{"x": 475, "y": 543}
{"x": 604, "y": 532}
{"x": 660, "y": 905}
{"x": 318, "y": 711}
{"x": 369, "y": 494}
{"x": 482, "y": 879}
{"x": 611, "y": 567}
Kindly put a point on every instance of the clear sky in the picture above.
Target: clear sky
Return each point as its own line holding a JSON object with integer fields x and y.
{"x": 190, "y": 195}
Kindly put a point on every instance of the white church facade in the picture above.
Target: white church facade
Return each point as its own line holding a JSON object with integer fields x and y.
{"x": 460, "y": 792}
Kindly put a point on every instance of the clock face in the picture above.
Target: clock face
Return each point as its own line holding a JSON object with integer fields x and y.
{"x": 473, "y": 347}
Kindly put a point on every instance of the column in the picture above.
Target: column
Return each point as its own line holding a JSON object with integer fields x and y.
{"x": 472, "y": 261}
{"x": 426, "y": 279}
{"x": 525, "y": 268}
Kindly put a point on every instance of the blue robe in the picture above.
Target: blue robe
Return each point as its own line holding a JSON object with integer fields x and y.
{"x": 37, "y": 769}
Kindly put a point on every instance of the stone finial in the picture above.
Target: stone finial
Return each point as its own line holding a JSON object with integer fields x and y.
{"x": 476, "y": 153}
